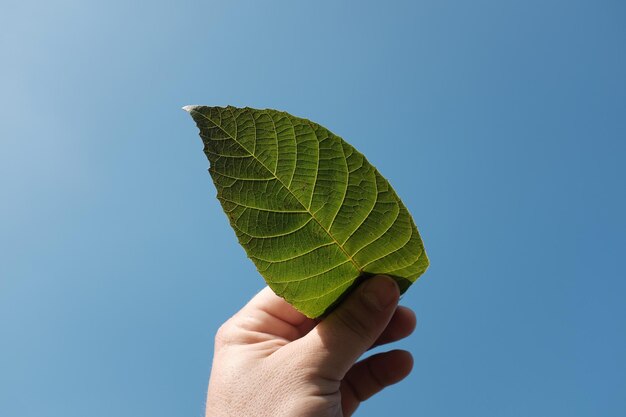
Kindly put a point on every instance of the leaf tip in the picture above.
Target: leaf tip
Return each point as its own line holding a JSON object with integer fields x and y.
{"x": 189, "y": 108}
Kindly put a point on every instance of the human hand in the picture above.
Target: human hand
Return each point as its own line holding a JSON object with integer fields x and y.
{"x": 271, "y": 360}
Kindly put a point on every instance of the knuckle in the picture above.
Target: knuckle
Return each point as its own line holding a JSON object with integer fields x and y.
{"x": 225, "y": 334}
{"x": 355, "y": 323}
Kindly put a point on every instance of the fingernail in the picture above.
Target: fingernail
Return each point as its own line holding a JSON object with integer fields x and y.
{"x": 380, "y": 292}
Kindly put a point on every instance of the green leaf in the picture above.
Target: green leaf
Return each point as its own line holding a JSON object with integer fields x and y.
{"x": 311, "y": 212}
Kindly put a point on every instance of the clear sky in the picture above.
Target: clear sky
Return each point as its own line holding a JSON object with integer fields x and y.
{"x": 501, "y": 124}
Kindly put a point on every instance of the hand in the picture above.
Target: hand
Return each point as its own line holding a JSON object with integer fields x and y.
{"x": 270, "y": 360}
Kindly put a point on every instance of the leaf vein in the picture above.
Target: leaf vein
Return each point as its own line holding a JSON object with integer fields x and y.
{"x": 277, "y": 235}
{"x": 314, "y": 275}
{"x": 260, "y": 208}
{"x": 390, "y": 253}
{"x": 293, "y": 257}
{"x": 382, "y": 234}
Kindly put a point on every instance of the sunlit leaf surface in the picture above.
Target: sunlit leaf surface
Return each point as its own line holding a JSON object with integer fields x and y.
{"x": 311, "y": 212}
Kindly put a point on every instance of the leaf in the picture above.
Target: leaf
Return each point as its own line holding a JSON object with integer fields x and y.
{"x": 310, "y": 211}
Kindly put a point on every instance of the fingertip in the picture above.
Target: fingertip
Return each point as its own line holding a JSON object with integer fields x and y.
{"x": 406, "y": 357}
{"x": 396, "y": 364}
{"x": 407, "y": 317}
{"x": 380, "y": 292}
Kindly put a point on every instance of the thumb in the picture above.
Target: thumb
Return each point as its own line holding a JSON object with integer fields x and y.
{"x": 338, "y": 341}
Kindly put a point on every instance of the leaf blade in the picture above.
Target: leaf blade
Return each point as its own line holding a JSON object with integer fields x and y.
{"x": 310, "y": 211}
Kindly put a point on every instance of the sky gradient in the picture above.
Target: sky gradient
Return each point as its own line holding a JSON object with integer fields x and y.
{"x": 501, "y": 125}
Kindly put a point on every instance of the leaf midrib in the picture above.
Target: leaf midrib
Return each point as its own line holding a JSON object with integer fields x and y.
{"x": 282, "y": 183}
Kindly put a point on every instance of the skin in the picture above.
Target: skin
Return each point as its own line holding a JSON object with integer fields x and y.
{"x": 270, "y": 360}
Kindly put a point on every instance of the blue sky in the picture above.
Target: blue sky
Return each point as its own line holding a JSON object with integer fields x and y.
{"x": 501, "y": 124}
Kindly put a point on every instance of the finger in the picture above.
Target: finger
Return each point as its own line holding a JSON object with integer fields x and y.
{"x": 267, "y": 313}
{"x": 336, "y": 343}
{"x": 267, "y": 301}
{"x": 401, "y": 325}
{"x": 371, "y": 375}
